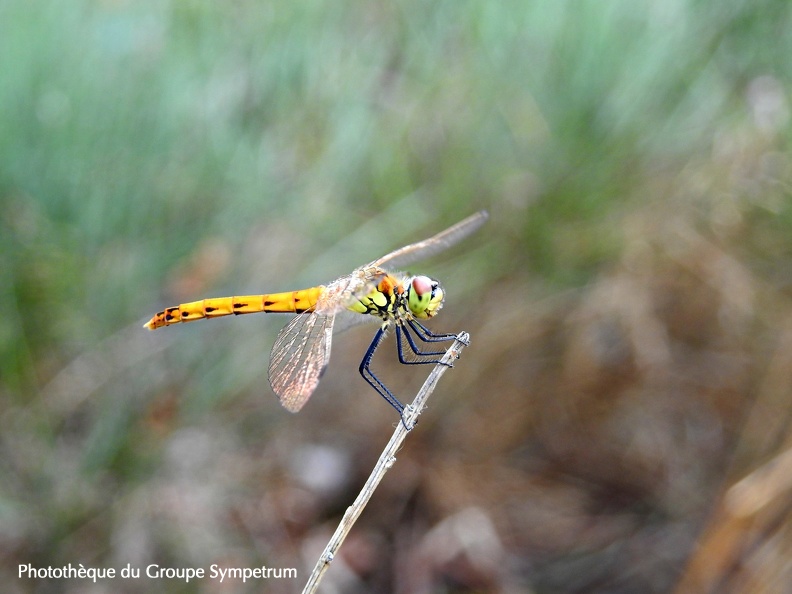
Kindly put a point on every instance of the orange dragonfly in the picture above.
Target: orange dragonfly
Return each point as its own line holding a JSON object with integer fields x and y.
{"x": 302, "y": 350}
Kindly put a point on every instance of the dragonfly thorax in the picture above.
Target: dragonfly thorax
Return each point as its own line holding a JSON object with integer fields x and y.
{"x": 398, "y": 297}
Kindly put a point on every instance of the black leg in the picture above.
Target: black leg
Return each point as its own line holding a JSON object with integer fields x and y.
{"x": 427, "y": 335}
{"x": 373, "y": 380}
{"x": 421, "y": 357}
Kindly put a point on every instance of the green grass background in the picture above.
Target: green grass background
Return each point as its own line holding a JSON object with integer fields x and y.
{"x": 159, "y": 152}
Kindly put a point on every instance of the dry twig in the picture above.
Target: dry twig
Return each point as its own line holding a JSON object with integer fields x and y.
{"x": 385, "y": 462}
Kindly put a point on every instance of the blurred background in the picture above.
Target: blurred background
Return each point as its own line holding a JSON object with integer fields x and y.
{"x": 621, "y": 419}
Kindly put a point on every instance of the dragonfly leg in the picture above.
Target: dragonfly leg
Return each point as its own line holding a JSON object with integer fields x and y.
{"x": 403, "y": 335}
{"x": 374, "y": 381}
{"x": 427, "y": 335}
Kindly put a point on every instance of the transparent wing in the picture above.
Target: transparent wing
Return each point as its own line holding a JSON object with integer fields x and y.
{"x": 299, "y": 357}
{"x": 302, "y": 350}
{"x": 434, "y": 245}
{"x": 350, "y": 319}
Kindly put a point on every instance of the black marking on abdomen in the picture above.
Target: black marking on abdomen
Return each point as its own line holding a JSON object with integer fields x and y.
{"x": 209, "y": 309}
{"x": 268, "y": 303}
{"x": 239, "y": 305}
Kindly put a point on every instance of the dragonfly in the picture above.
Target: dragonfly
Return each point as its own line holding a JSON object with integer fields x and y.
{"x": 398, "y": 300}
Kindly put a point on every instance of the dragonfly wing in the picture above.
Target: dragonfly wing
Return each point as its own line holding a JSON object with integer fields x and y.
{"x": 302, "y": 350}
{"x": 349, "y": 319}
{"x": 434, "y": 245}
{"x": 299, "y": 358}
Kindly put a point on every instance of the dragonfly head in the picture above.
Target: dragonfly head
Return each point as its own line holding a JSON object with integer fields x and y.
{"x": 424, "y": 297}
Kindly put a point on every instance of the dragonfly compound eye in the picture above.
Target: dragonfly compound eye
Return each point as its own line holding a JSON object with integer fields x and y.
{"x": 425, "y": 297}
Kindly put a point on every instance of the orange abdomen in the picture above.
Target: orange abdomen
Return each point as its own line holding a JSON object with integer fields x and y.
{"x": 289, "y": 302}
